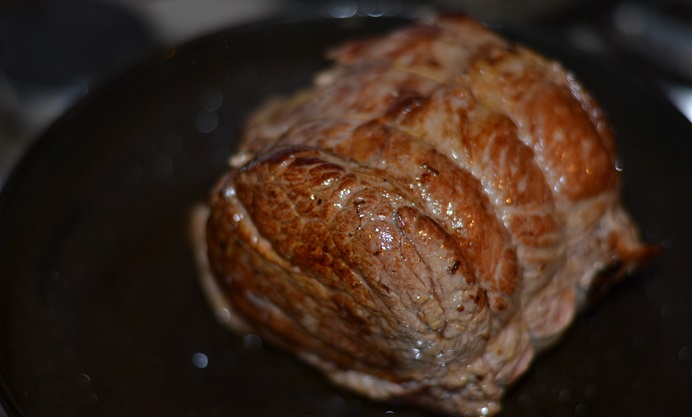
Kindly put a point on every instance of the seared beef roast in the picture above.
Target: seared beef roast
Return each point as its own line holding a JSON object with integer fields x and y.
{"x": 424, "y": 219}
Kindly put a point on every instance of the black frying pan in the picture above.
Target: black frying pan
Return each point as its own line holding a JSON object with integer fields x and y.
{"x": 100, "y": 310}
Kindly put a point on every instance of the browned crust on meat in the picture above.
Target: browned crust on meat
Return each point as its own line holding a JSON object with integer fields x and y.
{"x": 425, "y": 218}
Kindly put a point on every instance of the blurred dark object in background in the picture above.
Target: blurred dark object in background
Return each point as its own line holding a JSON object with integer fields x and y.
{"x": 659, "y": 34}
{"x": 52, "y": 53}
{"x": 513, "y": 11}
{"x": 75, "y": 39}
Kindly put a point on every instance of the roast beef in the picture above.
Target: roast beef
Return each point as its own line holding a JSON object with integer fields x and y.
{"x": 424, "y": 219}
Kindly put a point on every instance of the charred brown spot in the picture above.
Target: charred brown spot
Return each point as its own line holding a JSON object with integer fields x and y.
{"x": 432, "y": 170}
{"x": 618, "y": 269}
{"x": 480, "y": 298}
{"x": 306, "y": 161}
{"x": 605, "y": 278}
{"x": 384, "y": 286}
{"x": 499, "y": 304}
{"x": 407, "y": 104}
{"x": 510, "y": 49}
{"x": 453, "y": 268}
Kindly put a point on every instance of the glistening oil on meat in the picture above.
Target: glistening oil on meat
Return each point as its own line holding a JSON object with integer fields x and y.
{"x": 423, "y": 220}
